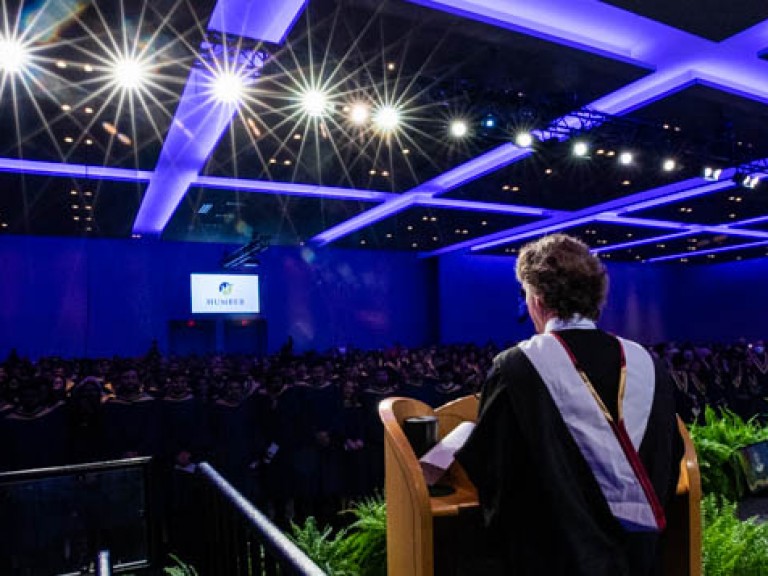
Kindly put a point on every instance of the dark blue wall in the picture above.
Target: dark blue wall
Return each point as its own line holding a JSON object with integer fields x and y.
{"x": 101, "y": 297}
{"x": 76, "y": 297}
{"x": 648, "y": 303}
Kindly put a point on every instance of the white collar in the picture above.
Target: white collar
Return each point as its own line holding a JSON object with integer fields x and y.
{"x": 576, "y": 322}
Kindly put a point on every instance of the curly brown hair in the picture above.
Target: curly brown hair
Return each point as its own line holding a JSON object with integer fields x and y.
{"x": 565, "y": 275}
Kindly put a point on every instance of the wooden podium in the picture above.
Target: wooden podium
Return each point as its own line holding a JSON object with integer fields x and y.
{"x": 421, "y": 529}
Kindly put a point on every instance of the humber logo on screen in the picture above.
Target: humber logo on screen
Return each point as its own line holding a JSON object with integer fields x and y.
{"x": 225, "y": 293}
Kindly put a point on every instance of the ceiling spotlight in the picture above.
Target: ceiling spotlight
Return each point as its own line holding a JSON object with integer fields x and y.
{"x": 625, "y": 158}
{"x": 459, "y": 128}
{"x": 386, "y": 118}
{"x": 314, "y": 102}
{"x": 129, "y": 73}
{"x": 488, "y": 121}
{"x": 748, "y": 181}
{"x": 668, "y": 165}
{"x": 359, "y": 114}
{"x": 228, "y": 87}
{"x": 580, "y": 149}
{"x": 13, "y": 55}
{"x": 712, "y": 174}
{"x": 524, "y": 139}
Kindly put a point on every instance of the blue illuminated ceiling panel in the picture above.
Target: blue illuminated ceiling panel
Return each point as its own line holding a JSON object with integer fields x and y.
{"x": 698, "y": 80}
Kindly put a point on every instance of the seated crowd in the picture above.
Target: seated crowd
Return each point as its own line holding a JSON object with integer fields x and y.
{"x": 298, "y": 434}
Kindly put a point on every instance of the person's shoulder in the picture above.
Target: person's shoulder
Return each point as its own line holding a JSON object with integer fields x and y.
{"x": 510, "y": 360}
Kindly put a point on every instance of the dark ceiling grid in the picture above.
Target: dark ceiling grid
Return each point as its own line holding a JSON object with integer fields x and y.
{"x": 502, "y": 71}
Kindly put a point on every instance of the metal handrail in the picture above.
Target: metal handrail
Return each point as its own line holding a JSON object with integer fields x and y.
{"x": 277, "y": 543}
{"x": 103, "y": 564}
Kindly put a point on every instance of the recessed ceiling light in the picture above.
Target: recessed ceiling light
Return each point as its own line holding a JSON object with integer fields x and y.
{"x": 66, "y": 107}
{"x": 69, "y": 139}
{"x": 88, "y": 110}
{"x": 272, "y": 161}
{"x": 626, "y": 183}
{"x": 287, "y": 162}
{"x": 88, "y": 68}
{"x": 61, "y": 64}
{"x": 389, "y": 235}
{"x": 390, "y": 66}
{"x": 384, "y": 173}
{"x": 362, "y": 242}
{"x": 359, "y": 113}
{"x": 406, "y": 151}
{"x": 524, "y": 139}
{"x": 73, "y": 192}
{"x": 410, "y": 228}
{"x": 414, "y": 245}
{"x": 89, "y": 142}
{"x": 372, "y": 172}
{"x": 580, "y": 149}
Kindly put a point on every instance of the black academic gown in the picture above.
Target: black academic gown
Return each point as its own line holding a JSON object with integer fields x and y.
{"x": 543, "y": 509}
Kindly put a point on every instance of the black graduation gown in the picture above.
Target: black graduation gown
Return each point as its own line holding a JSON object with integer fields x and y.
{"x": 131, "y": 426}
{"x": 34, "y": 440}
{"x": 543, "y": 509}
{"x": 279, "y": 418}
{"x": 184, "y": 427}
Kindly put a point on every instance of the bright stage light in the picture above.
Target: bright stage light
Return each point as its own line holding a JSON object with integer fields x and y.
{"x": 129, "y": 73}
{"x": 387, "y": 118}
{"x": 228, "y": 87}
{"x": 359, "y": 114}
{"x": 314, "y": 102}
{"x": 626, "y": 158}
{"x": 712, "y": 174}
{"x": 580, "y": 149}
{"x": 748, "y": 181}
{"x": 489, "y": 121}
{"x": 459, "y": 128}
{"x": 669, "y": 165}
{"x": 13, "y": 55}
{"x": 524, "y": 140}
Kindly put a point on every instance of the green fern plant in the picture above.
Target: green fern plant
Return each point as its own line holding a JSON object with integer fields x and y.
{"x": 732, "y": 547}
{"x": 360, "y": 549}
{"x": 180, "y": 568}
{"x": 717, "y": 442}
{"x": 328, "y": 550}
{"x": 367, "y": 537}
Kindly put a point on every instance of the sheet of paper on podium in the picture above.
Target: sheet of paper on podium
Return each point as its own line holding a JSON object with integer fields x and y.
{"x": 437, "y": 461}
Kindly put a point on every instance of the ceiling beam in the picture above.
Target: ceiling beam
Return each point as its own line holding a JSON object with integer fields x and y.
{"x": 200, "y": 121}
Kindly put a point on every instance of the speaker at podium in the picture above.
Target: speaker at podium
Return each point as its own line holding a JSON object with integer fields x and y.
{"x": 441, "y": 533}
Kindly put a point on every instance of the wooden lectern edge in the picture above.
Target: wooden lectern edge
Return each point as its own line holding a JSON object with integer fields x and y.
{"x": 419, "y": 484}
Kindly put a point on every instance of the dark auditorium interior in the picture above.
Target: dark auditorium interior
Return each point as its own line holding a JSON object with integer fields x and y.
{"x": 230, "y": 228}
